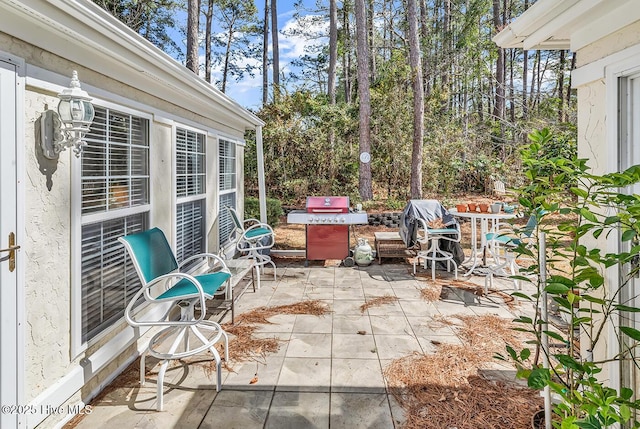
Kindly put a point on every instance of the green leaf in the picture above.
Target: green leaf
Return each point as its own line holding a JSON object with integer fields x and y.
{"x": 593, "y": 299}
{"x": 625, "y": 412}
{"x": 588, "y": 215}
{"x": 626, "y": 393}
{"x": 524, "y": 354}
{"x": 590, "y": 423}
{"x": 555, "y": 336}
{"x": 626, "y": 308}
{"x": 512, "y": 352}
{"x": 556, "y": 288}
{"x": 628, "y": 235}
{"x": 631, "y": 332}
{"x": 569, "y": 362}
{"x": 522, "y": 295}
{"x": 579, "y": 192}
{"x": 611, "y": 219}
{"x": 539, "y": 378}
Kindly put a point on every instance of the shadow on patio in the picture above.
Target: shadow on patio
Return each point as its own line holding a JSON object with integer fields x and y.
{"x": 387, "y": 336}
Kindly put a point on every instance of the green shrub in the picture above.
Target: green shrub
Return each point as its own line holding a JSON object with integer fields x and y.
{"x": 274, "y": 210}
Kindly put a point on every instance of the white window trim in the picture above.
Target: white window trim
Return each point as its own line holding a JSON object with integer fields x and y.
{"x": 77, "y": 346}
{"x": 174, "y": 180}
{"x": 228, "y": 248}
{"x": 615, "y": 67}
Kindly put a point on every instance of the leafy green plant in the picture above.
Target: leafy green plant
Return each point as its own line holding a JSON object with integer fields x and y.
{"x": 274, "y": 210}
{"x": 592, "y": 209}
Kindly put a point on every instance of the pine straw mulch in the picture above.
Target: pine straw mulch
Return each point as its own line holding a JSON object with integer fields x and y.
{"x": 433, "y": 290}
{"x": 245, "y": 346}
{"x": 444, "y": 390}
{"x": 377, "y": 302}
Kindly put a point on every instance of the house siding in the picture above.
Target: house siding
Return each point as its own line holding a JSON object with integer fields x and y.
{"x": 52, "y": 368}
{"x": 595, "y": 142}
{"x": 615, "y": 42}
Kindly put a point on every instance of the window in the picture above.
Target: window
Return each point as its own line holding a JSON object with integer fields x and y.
{"x": 628, "y": 155}
{"x": 115, "y": 202}
{"x": 227, "y": 183}
{"x": 190, "y": 190}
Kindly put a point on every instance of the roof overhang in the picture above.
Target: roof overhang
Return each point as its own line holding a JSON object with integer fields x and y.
{"x": 82, "y": 32}
{"x": 567, "y": 24}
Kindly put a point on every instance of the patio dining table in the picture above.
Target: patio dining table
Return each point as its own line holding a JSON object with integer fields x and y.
{"x": 488, "y": 223}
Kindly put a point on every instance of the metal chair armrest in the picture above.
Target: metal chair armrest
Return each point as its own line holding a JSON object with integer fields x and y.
{"x": 251, "y": 220}
{"x": 145, "y": 290}
{"x": 216, "y": 258}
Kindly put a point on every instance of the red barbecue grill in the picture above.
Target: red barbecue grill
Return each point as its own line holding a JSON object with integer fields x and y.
{"x": 327, "y": 221}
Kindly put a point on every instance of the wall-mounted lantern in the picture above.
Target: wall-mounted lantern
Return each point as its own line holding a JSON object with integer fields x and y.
{"x": 66, "y": 128}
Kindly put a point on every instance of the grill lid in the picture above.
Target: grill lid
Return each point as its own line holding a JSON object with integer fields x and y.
{"x": 327, "y": 204}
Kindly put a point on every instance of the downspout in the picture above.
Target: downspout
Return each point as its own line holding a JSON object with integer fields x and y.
{"x": 262, "y": 192}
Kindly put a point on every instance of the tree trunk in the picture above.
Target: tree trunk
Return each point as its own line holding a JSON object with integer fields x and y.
{"x": 424, "y": 32}
{"x": 207, "y": 41}
{"x": 265, "y": 57}
{"x": 333, "y": 51}
{"x": 371, "y": 29}
{"x": 525, "y": 73}
{"x": 276, "y": 51}
{"x": 193, "y": 9}
{"x": 418, "y": 100}
{"x": 561, "y": 65}
{"x": 498, "y": 107}
{"x": 227, "y": 54}
{"x": 346, "y": 55}
{"x": 365, "y": 186}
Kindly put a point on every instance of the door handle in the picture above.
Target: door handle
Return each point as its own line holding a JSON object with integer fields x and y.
{"x": 12, "y": 252}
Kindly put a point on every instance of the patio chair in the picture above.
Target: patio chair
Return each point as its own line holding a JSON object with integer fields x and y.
{"x": 253, "y": 239}
{"x": 434, "y": 253}
{"x": 500, "y": 190}
{"x": 170, "y": 292}
{"x": 502, "y": 244}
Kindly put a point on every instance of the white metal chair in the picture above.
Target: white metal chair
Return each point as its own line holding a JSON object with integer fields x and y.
{"x": 430, "y": 238}
{"x": 253, "y": 239}
{"x": 165, "y": 286}
{"x": 502, "y": 244}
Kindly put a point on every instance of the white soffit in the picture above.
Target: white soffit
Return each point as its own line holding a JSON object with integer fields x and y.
{"x": 567, "y": 24}
{"x": 82, "y": 32}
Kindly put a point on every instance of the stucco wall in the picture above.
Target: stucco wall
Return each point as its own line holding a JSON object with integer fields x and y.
{"x": 47, "y": 257}
{"x": 48, "y": 210}
{"x": 597, "y": 123}
{"x": 592, "y": 122}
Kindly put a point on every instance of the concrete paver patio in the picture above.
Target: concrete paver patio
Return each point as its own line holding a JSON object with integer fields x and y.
{"x": 327, "y": 374}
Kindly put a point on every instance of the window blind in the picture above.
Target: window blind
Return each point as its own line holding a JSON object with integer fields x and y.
{"x": 109, "y": 279}
{"x": 190, "y": 163}
{"x": 115, "y": 175}
{"x": 190, "y": 219}
{"x": 227, "y": 185}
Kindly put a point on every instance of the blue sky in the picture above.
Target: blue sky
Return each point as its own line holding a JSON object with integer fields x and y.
{"x": 248, "y": 91}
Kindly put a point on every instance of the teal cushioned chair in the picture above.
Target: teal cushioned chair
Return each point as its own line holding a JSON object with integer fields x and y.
{"x": 502, "y": 245}
{"x": 429, "y": 239}
{"x": 253, "y": 240}
{"x": 178, "y": 294}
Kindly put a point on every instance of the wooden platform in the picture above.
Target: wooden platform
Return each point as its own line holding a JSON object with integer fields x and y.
{"x": 391, "y": 245}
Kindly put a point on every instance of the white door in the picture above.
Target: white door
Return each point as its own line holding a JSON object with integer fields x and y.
{"x": 9, "y": 240}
